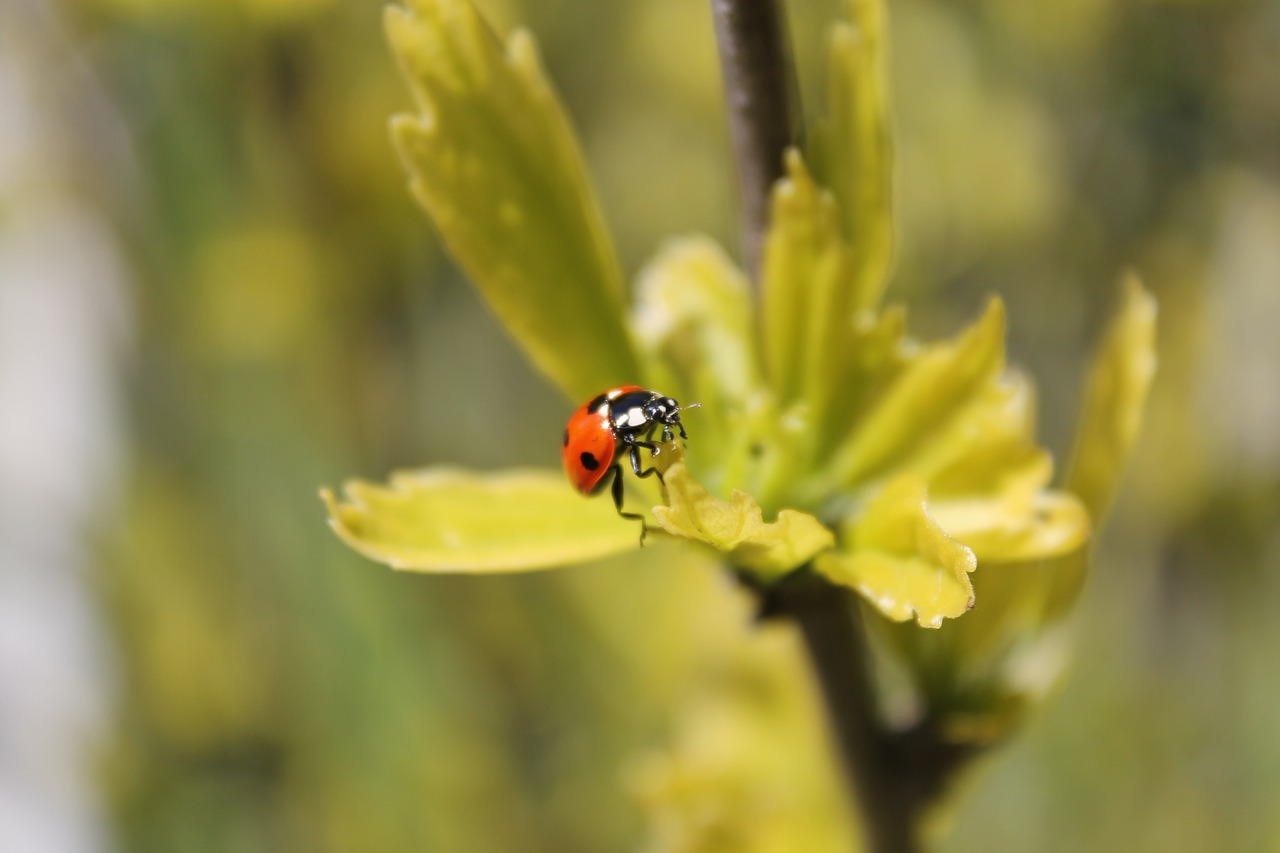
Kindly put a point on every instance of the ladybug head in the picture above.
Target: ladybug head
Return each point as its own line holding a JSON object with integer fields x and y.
{"x": 663, "y": 410}
{"x": 666, "y": 411}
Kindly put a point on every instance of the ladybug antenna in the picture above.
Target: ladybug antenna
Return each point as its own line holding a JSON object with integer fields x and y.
{"x": 679, "y": 409}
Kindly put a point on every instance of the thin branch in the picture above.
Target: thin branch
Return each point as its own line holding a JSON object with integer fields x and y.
{"x": 829, "y": 621}
{"x": 895, "y": 774}
{"x": 759, "y": 87}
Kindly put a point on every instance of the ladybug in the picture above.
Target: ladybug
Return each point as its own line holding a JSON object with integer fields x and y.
{"x": 614, "y": 424}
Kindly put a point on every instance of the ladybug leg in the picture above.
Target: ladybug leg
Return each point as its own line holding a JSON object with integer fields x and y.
{"x": 616, "y": 491}
{"x": 633, "y": 449}
{"x": 667, "y": 433}
{"x": 635, "y": 459}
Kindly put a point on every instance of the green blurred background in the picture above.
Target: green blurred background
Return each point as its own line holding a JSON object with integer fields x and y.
{"x": 216, "y": 295}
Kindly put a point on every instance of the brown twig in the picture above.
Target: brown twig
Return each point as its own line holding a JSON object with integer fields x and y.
{"x": 896, "y": 774}
{"x": 760, "y": 89}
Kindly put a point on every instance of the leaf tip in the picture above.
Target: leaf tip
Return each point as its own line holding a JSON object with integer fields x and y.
{"x": 995, "y": 313}
{"x": 1140, "y": 310}
{"x": 793, "y": 161}
{"x": 522, "y": 52}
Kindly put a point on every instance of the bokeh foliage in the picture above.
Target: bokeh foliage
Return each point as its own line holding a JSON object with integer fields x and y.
{"x": 297, "y": 323}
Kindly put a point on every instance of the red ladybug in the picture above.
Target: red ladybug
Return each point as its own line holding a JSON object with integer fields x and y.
{"x": 613, "y": 424}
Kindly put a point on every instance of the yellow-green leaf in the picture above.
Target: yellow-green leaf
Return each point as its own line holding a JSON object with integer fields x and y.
{"x": 693, "y": 321}
{"x": 806, "y": 313}
{"x": 737, "y": 527}
{"x": 897, "y": 556}
{"x": 876, "y": 350}
{"x": 447, "y": 520}
{"x": 982, "y": 672}
{"x": 988, "y": 440}
{"x": 923, "y": 400}
{"x": 1117, "y": 393}
{"x": 854, "y": 146}
{"x": 495, "y": 163}
{"x": 988, "y": 482}
{"x": 1016, "y": 526}
{"x": 693, "y": 317}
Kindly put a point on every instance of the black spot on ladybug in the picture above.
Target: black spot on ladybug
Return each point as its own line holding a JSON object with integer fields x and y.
{"x": 566, "y": 437}
{"x": 597, "y": 401}
{"x": 589, "y": 462}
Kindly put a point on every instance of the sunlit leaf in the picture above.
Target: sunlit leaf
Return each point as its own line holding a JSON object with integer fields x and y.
{"x": 808, "y": 309}
{"x": 876, "y": 351}
{"x": 495, "y": 163}
{"x": 980, "y": 673}
{"x": 447, "y": 520}
{"x": 693, "y": 322}
{"x": 737, "y": 527}
{"x": 1114, "y": 400}
{"x": 923, "y": 400}
{"x": 987, "y": 441}
{"x": 693, "y": 309}
{"x": 988, "y": 481}
{"x": 897, "y": 556}
{"x": 854, "y": 148}
{"x": 805, "y": 307}
{"x": 1016, "y": 525}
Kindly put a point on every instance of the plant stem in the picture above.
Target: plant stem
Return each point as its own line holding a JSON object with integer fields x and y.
{"x": 829, "y": 621}
{"x": 895, "y": 774}
{"x": 759, "y": 86}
